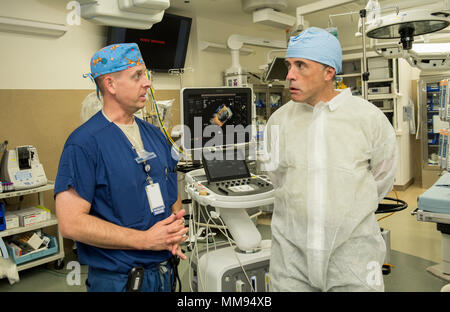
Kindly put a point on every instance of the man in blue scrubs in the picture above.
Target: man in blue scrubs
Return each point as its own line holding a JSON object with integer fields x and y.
{"x": 116, "y": 187}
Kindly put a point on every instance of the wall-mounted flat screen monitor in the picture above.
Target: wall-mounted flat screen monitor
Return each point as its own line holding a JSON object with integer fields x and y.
{"x": 163, "y": 46}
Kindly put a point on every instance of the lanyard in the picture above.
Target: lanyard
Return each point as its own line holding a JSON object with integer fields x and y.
{"x": 142, "y": 154}
{"x": 147, "y": 171}
{"x": 142, "y": 158}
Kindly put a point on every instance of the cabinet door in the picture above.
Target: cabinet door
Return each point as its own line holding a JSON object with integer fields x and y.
{"x": 431, "y": 99}
{"x": 275, "y": 100}
{"x": 268, "y": 100}
{"x": 261, "y": 104}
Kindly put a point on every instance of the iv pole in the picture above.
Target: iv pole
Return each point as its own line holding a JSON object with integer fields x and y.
{"x": 365, "y": 74}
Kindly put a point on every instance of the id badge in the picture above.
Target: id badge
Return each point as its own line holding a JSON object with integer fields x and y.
{"x": 155, "y": 199}
{"x": 143, "y": 155}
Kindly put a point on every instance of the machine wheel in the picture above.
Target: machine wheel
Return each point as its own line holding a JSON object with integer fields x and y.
{"x": 59, "y": 264}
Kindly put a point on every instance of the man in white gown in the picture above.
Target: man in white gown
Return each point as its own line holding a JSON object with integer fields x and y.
{"x": 332, "y": 158}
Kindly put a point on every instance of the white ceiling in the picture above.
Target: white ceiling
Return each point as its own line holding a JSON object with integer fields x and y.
{"x": 230, "y": 11}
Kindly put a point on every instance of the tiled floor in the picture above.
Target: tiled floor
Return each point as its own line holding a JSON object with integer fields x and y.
{"x": 414, "y": 247}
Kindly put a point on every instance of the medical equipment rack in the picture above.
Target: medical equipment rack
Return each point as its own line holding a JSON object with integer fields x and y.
{"x": 59, "y": 256}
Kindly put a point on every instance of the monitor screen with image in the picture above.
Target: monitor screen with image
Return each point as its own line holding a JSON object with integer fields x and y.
{"x": 216, "y": 116}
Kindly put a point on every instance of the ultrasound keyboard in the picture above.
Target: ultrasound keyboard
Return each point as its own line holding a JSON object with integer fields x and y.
{"x": 240, "y": 187}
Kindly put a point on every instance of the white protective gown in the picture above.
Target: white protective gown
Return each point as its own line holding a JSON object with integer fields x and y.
{"x": 331, "y": 164}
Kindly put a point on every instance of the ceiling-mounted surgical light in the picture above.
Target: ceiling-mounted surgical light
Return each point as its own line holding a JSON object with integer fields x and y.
{"x": 268, "y": 12}
{"x": 406, "y": 25}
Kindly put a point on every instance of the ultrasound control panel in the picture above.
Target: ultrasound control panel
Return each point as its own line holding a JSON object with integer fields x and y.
{"x": 240, "y": 187}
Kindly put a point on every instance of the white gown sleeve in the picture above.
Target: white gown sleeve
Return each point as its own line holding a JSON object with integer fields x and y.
{"x": 384, "y": 157}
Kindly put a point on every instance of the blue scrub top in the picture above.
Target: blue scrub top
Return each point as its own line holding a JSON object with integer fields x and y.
{"x": 98, "y": 162}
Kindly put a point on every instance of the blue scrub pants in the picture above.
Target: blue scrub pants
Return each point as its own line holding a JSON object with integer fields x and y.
{"x": 155, "y": 280}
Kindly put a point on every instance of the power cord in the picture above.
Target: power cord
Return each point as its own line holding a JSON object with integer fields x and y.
{"x": 174, "y": 262}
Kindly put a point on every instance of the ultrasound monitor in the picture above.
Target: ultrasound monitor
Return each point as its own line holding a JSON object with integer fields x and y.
{"x": 216, "y": 117}
{"x": 277, "y": 70}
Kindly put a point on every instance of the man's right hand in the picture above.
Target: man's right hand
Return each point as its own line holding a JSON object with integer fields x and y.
{"x": 166, "y": 233}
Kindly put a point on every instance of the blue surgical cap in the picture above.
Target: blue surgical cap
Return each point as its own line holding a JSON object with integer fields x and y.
{"x": 318, "y": 45}
{"x": 114, "y": 58}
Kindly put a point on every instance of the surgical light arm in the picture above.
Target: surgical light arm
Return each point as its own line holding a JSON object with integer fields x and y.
{"x": 236, "y": 42}
{"x": 405, "y": 26}
{"x": 429, "y": 61}
{"x": 421, "y": 60}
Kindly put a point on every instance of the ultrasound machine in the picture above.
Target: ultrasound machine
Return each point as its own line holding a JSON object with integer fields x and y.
{"x": 218, "y": 133}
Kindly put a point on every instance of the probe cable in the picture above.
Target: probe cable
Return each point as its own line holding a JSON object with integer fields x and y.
{"x": 169, "y": 138}
{"x": 393, "y": 208}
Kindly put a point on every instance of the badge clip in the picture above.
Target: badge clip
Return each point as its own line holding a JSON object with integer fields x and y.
{"x": 144, "y": 156}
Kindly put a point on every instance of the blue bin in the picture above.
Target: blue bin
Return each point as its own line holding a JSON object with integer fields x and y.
{"x": 52, "y": 249}
{"x": 2, "y": 217}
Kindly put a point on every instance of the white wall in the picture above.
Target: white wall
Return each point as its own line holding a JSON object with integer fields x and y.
{"x": 38, "y": 62}
{"x": 405, "y": 169}
{"x": 210, "y": 66}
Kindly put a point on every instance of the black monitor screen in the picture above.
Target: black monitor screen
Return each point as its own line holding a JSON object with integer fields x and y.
{"x": 216, "y": 116}
{"x": 225, "y": 165}
{"x": 163, "y": 46}
{"x": 277, "y": 70}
